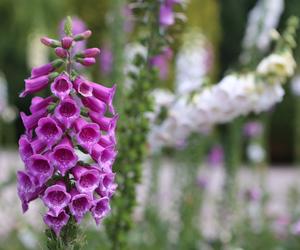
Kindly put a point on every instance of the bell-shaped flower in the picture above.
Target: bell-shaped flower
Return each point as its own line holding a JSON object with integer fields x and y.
{"x": 39, "y": 103}
{"x": 46, "y": 68}
{"x": 87, "y": 179}
{"x": 67, "y": 112}
{"x": 105, "y": 123}
{"x": 25, "y": 148}
{"x": 83, "y": 87}
{"x": 56, "y": 198}
{"x": 31, "y": 121}
{"x": 79, "y": 205}
{"x": 104, "y": 156}
{"x": 39, "y": 167}
{"x": 104, "y": 94}
{"x": 48, "y": 130}
{"x": 63, "y": 156}
{"x": 56, "y": 223}
{"x": 94, "y": 104}
{"x": 62, "y": 86}
{"x": 107, "y": 186}
{"x": 100, "y": 209}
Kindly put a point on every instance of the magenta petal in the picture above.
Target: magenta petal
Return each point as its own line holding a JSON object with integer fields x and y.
{"x": 107, "y": 185}
{"x": 88, "y": 135}
{"x": 67, "y": 112}
{"x": 25, "y": 148}
{"x": 35, "y": 85}
{"x": 104, "y": 94}
{"x": 39, "y": 103}
{"x": 62, "y": 86}
{"x": 63, "y": 157}
{"x": 31, "y": 121}
{"x": 48, "y": 130}
{"x": 80, "y": 204}
{"x": 56, "y": 223}
{"x": 87, "y": 180}
{"x": 100, "y": 209}
{"x": 42, "y": 70}
{"x": 104, "y": 156}
{"x": 95, "y": 105}
{"x": 105, "y": 123}
{"x": 56, "y": 198}
{"x": 83, "y": 87}
{"x": 39, "y": 167}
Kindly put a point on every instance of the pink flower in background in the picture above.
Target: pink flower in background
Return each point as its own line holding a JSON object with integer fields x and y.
{"x": 216, "y": 155}
{"x": 253, "y": 129}
{"x": 75, "y": 117}
{"x": 161, "y": 62}
{"x": 106, "y": 60}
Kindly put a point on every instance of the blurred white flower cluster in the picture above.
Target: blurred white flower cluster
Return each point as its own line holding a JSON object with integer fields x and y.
{"x": 233, "y": 96}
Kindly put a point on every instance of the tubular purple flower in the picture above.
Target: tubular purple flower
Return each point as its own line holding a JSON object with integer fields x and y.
{"x": 107, "y": 140}
{"x": 63, "y": 156}
{"x": 104, "y": 156}
{"x": 61, "y": 52}
{"x": 87, "y": 180}
{"x": 67, "y": 112}
{"x": 46, "y": 68}
{"x": 62, "y": 86}
{"x": 39, "y": 167}
{"x": 100, "y": 209}
{"x": 80, "y": 204}
{"x": 66, "y": 42}
{"x": 104, "y": 94}
{"x": 105, "y": 123}
{"x": 56, "y": 223}
{"x": 166, "y": 15}
{"x": 48, "y": 130}
{"x": 107, "y": 186}
{"x": 91, "y": 52}
{"x": 27, "y": 190}
{"x": 83, "y": 87}
{"x": 38, "y": 146}
{"x": 56, "y": 198}
{"x": 31, "y": 121}
{"x": 25, "y": 148}
{"x": 94, "y": 104}
{"x": 39, "y": 103}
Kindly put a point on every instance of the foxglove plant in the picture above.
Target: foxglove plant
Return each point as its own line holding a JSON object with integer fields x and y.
{"x": 74, "y": 118}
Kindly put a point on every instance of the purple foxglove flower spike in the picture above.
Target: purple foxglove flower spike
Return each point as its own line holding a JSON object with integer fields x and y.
{"x": 62, "y": 86}
{"x": 72, "y": 119}
{"x": 39, "y": 167}
{"x": 83, "y": 87}
{"x": 80, "y": 204}
{"x": 48, "y": 130}
{"x": 56, "y": 198}
{"x": 104, "y": 94}
{"x": 39, "y": 103}
{"x": 63, "y": 156}
{"x": 100, "y": 209}
{"x": 105, "y": 123}
{"x": 56, "y": 223}
{"x": 67, "y": 112}
{"x": 87, "y": 180}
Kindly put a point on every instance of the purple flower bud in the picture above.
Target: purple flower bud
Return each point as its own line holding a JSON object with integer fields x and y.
{"x": 108, "y": 186}
{"x": 80, "y": 204}
{"x": 66, "y": 42}
{"x": 94, "y": 104}
{"x": 61, "y": 52}
{"x": 27, "y": 190}
{"x": 87, "y": 180}
{"x": 56, "y": 198}
{"x": 35, "y": 85}
{"x": 56, "y": 223}
{"x": 63, "y": 156}
{"x": 166, "y": 15}
{"x": 91, "y": 52}
{"x": 100, "y": 209}
{"x": 87, "y": 61}
{"x": 46, "y": 68}
{"x": 67, "y": 112}
{"x": 31, "y": 121}
{"x": 39, "y": 103}
{"x": 83, "y": 36}
{"x": 50, "y": 42}
{"x": 105, "y": 123}
{"x": 61, "y": 87}
{"x": 83, "y": 87}
{"x": 104, "y": 156}
{"x": 39, "y": 167}
{"x": 25, "y": 148}
{"x": 104, "y": 94}
{"x": 48, "y": 130}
